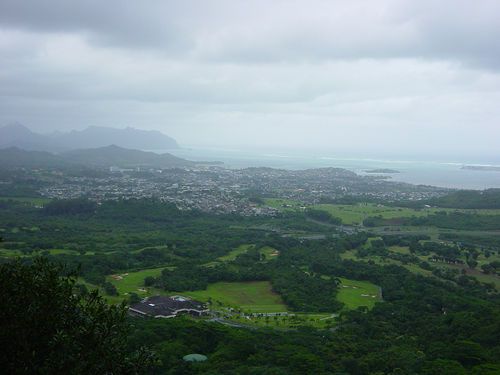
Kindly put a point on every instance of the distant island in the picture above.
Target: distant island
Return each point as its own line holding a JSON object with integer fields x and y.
{"x": 481, "y": 168}
{"x": 383, "y": 170}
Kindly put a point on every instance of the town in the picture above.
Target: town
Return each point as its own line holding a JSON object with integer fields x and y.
{"x": 222, "y": 190}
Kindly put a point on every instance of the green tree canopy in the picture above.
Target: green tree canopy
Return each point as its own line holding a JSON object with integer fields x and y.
{"x": 47, "y": 327}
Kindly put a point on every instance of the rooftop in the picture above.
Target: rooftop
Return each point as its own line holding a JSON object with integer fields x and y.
{"x": 163, "y": 306}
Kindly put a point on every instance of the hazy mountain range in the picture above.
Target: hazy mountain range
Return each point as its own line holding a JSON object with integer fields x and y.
{"x": 17, "y": 135}
{"x": 103, "y": 157}
{"x": 122, "y": 157}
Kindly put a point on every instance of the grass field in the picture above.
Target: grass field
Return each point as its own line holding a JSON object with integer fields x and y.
{"x": 399, "y": 249}
{"x": 110, "y": 299}
{"x": 293, "y": 320}
{"x": 254, "y": 296}
{"x": 351, "y": 255}
{"x": 269, "y": 252}
{"x": 415, "y": 268}
{"x": 62, "y": 251}
{"x": 234, "y": 253}
{"x": 356, "y": 213}
{"x": 11, "y": 253}
{"x": 489, "y": 279}
{"x": 355, "y": 293}
{"x": 8, "y": 253}
{"x": 32, "y": 201}
{"x": 283, "y": 204}
{"x": 137, "y": 251}
{"x": 134, "y": 282}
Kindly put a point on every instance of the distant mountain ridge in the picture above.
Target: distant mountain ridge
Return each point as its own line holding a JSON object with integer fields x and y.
{"x": 14, "y": 157}
{"x": 121, "y": 157}
{"x": 18, "y": 135}
{"x": 102, "y": 157}
{"x": 96, "y": 136}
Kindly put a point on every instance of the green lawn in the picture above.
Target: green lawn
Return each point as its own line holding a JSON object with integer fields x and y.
{"x": 234, "y": 253}
{"x": 32, "y": 201}
{"x": 129, "y": 282}
{"x": 380, "y": 260}
{"x": 253, "y": 296}
{"x": 134, "y": 282}
{"x": 294, "y": 320}
{"x": 400, "y": 249}
{"x": 283, "y": 204}
{"x": 137, "y": 251}
{"x": 415, "y": 268}
{"x": 356, "y": 213}
{"x": 269, "y": 253}
{"x": 110, "y": 299}
{"x": 62, "y": 251}
{"x": 488, "y": 279}
{"x": 11, "y": 253}
{"x": 17, "y": 253}
{"x": 355, "y": 293}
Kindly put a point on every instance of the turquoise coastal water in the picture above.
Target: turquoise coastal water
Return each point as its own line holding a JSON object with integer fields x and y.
{"x": 436, "y": 173}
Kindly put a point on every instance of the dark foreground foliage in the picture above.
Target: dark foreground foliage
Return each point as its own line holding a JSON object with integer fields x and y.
{"x": 47, "y": 328}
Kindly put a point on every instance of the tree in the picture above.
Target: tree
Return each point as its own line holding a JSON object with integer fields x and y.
{"x": 77, "y": 206}
{"x": 133, "y": 298}
{"x": 45, "y": 327}
{"x": 471, "y": 262}
{"x": 443, "y": 367}
{"x": 149, "y": 281}
{"x": 110, "y": 289}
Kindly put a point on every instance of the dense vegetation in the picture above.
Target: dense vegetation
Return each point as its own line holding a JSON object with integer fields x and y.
{"x": 489, "y": 198}
{"x": 425, "y": 326}
{"x": 47, "y": 327}
{"x": 324, "y": 216}
{"x": 69, "y": 207}
{"x": 443, "y": 219}
{"x": 434, "y": 319}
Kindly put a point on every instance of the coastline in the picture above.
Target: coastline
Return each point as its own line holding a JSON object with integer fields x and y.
{"x": 419, "y": 172}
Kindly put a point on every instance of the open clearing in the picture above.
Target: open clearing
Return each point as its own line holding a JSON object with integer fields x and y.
{"x": 267, "y": 253}
{"x": 356, "y": 213}
{"x": 287, "y": 321}
{"x": 253, "y": 296}
{"x": 14, "y": 253}
{"x": 355, "y": 293}
{"x": 31, "y": 201}
{"x": 283, "y": 204}
{"x": 234, "y": 253}
{"x": 11, "y": 253}
{"x": 134, "y": 282}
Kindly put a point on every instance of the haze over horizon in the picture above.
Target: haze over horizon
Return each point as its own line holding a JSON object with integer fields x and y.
{"x": 354, "y": 78}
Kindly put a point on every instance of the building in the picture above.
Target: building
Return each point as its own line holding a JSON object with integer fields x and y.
{"x": 195, "y": 358}
{"x": 167, "y": 307}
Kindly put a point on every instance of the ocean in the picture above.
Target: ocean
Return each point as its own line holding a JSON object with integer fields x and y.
{"x": 421, "y": 172}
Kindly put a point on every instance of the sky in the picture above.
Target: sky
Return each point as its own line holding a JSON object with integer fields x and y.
{"x": 368, "y": 77}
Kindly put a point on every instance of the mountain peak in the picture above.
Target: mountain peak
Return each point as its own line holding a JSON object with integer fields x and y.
{"x": 16, "y": 127}
{"x": 113, "y": 155}
{"x": 99, "y": 136}
{"x": 16, "y": 134}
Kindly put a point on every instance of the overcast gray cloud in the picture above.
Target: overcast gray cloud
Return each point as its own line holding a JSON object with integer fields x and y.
{"x": 337, "y": 75}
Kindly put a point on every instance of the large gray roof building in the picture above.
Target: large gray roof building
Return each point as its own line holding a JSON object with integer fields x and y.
{"x": 167, "y": 307}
